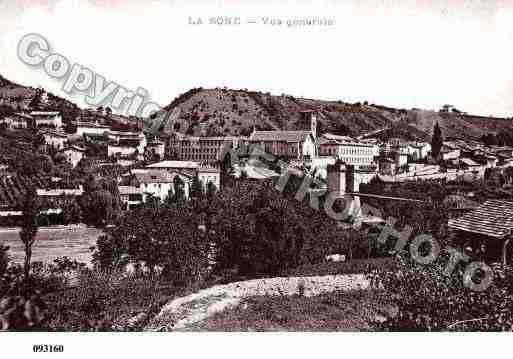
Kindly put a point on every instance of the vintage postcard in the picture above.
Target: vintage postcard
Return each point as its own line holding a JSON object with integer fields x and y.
{"x": 235, "y": 166}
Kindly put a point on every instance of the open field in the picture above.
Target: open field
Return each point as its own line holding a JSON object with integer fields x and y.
{"x": 52, "y": 242}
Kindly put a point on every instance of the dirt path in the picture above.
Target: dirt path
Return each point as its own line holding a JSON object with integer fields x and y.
{"x": 194, "y": 308}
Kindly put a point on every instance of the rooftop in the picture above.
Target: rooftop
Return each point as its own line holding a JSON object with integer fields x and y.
{"x": 156, "y": 176}
{"x": 329, "y": 138}
{"x": 175, "y": 164}
{"x": 283, "y": 136}
{"x": 494, "y": 219}
{"x": 44, "y": 113}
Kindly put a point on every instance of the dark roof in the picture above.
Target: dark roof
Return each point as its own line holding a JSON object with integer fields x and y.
{"x": 494, "y": 219}
{"x": 283, "y": 136}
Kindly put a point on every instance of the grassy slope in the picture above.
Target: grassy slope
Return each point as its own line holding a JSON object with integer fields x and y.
{"x": 338, "y": 311}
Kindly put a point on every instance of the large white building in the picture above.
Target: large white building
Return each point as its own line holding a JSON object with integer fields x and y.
{"x": 90, "y": 128}
{"x": 205, "y": 174}
{"x": 55, "y": 139}
{"x": 158, "y": 183}
{"x": 351, "y": 151}
{"x": 47, "y": 119}
{"x": 126, "y": 143}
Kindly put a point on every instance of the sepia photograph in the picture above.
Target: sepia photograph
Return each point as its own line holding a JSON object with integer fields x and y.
{"x": 286, "y": 167}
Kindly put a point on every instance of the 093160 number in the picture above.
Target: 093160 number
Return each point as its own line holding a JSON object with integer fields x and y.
{"x": 45, "y": 348}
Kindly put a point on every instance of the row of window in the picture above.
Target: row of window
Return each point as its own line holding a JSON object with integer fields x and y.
{"x": 357, "y": 159}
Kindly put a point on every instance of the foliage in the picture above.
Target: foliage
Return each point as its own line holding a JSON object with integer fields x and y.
{"x": 364, "y": 265}
{"x": 166, "y": 239}
{"x": 258, "y": 232}
{"x": 196, "y": 188}
{"x": 436, "y": 141}
{"x": 101, "y": 202}
{"x": 177, "y": 194}
{"x": 29, "y": 228}
{"x": 429, "y": 300}
{"x": 107, "y": 301}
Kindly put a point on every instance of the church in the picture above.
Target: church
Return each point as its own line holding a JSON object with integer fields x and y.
{"x": 290, "y": 144}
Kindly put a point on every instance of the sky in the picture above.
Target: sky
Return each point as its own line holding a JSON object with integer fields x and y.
{"x": 402, "y": 53}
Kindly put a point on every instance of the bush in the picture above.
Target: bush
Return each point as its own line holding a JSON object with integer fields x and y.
{"x": 428, "y": 300}
{"x": 165, "y": 240}
{"x": 257, "y": 231}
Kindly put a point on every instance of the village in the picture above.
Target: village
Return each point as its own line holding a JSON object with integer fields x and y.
{"x": 142, "y": 167}
{"x": 151, "y": 162}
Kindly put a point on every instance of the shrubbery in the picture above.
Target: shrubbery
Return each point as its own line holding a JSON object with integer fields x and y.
{"x": 429, "y": 300}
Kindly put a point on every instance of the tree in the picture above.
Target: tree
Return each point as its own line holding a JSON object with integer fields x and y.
{"x": 437, "y": 141}
{"x": 178, "y": 194}
{"x": 210, "y": 191}
{"x": 167, "y": 237}
{"x": 196, "y": 188}
{"x": 29, "y": 229}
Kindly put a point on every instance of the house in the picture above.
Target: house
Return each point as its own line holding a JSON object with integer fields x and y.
{"x": 487, "y": 230}
{"x": 126, "y": 143}
{"x": 74, "y": 154}
{"x": 55, "y": 139}
{"x": 131, "y": 196}
{"x": 124, "y": 149}
{"x": 157, "y": 147}
{"x": 90, "y": 128}
{"x": 47, "y": 119}
{"x": 59, "y": 193}
{"x": 158, "y": 183}
{"x": 351, "y": 151}
{"x": 18, "y": 120}
{"x": 419, "y": 150}
{"x": 469, "y": 164}
{"x": 205, "y": 174}
{"x": 449, "y": 152}
{"x": 491, "y": 161}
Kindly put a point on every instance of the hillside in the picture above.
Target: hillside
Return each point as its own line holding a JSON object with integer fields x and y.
{"x": 225, "y": 111}
{"x": 15, "y": 97}
{"x": 235, "y": 112}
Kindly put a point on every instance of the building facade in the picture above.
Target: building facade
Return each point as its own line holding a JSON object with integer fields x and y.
{"x": 201, "y": 149}
{"x": 47, "y": 119}
{"x": 347, "y": 149}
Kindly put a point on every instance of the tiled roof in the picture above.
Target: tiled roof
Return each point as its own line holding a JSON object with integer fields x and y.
{"x": 282, "y": 136}
{"x": 494, "y": 219}
{"x": 174, "y": 164}
{"x": 329, "y": 138}
{"x": 23, "y": 115}
{"x": 75, "y": 148}
{"x": 44, "y": 113}
{"x": 469, "y": 162}
{"x": 55, "y": 133}
{"x": 154, "y": 177}
{"x": 91, "y": 125}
